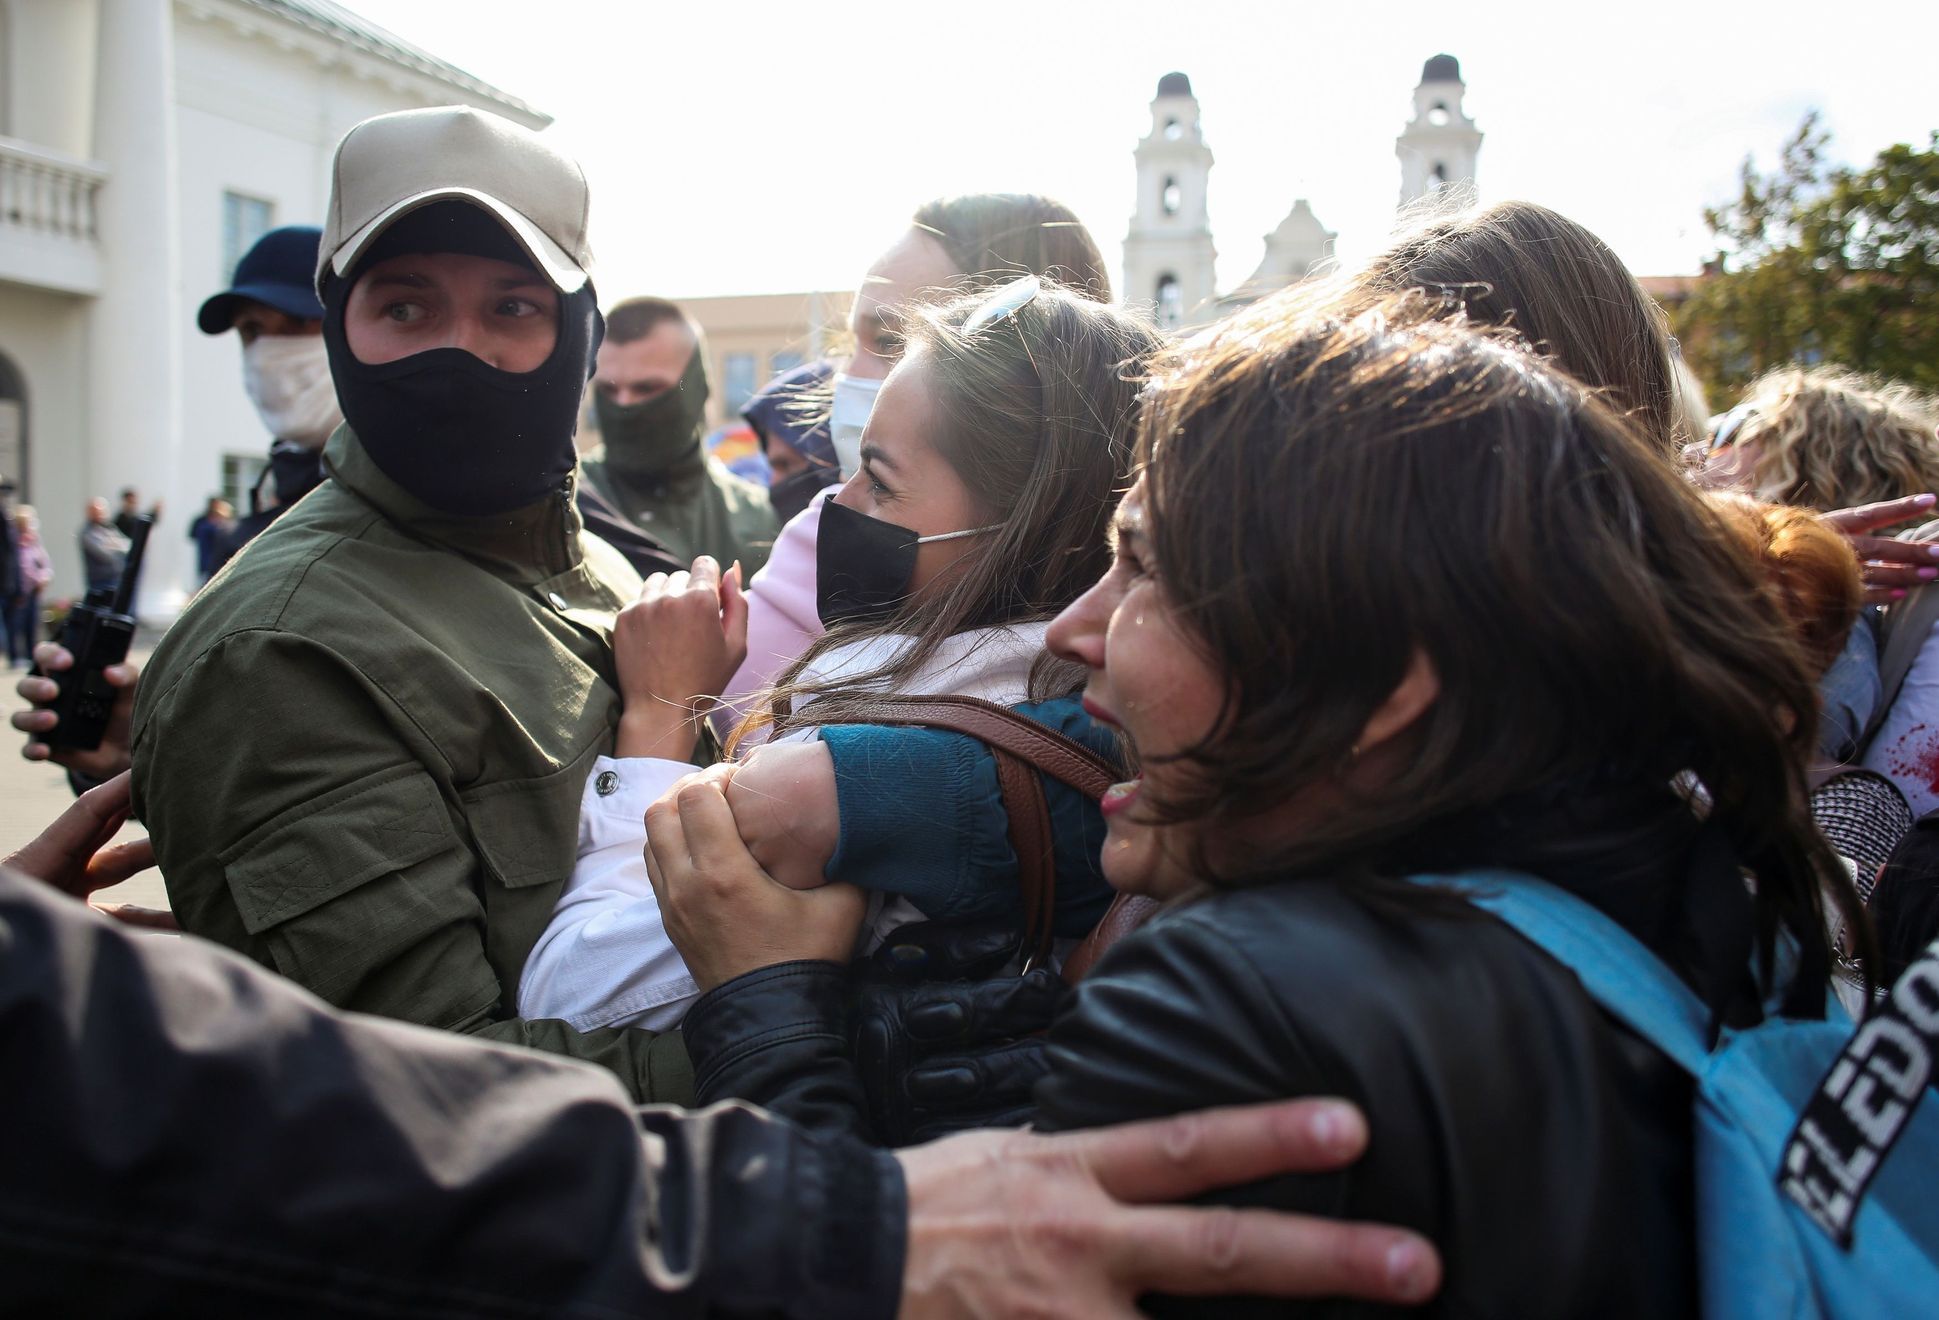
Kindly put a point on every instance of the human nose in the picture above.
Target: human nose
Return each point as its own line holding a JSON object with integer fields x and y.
{"x": 468, "y": 333}
{"x": 1078, "y": 633}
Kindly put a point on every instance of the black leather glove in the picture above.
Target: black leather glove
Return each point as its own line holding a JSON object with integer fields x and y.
{"x": 943, "y": 1039}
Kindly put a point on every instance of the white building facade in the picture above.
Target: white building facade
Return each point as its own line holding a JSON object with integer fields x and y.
{"x": 1438, "y": 147}
{"x": 144, "y": 145}
{"x": 1169, "y": 253}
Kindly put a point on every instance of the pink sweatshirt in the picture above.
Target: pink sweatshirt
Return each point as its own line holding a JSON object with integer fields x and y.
{"x": 781, "y": 616}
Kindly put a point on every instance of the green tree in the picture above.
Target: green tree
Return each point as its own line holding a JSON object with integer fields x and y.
{"x": 1823, "y": 262}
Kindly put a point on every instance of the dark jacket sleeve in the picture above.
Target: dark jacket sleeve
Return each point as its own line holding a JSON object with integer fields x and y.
{"x": 922, "y": 817}
{"x": 188, "y": 1134}
{"x": 778, "y": 1037}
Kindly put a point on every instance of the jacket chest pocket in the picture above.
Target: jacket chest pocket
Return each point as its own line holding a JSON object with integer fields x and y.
{"x": 526, "y": 833}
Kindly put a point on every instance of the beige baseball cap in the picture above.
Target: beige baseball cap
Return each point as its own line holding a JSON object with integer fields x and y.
{"x": 391, "y": 165}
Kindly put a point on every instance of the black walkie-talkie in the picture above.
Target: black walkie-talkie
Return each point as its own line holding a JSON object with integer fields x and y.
{"x": 97, "y": 634}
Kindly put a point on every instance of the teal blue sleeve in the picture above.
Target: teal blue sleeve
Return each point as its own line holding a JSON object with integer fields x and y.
{"x": 922, "y": 817}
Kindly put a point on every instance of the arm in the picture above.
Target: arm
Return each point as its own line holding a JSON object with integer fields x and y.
{"x": 323, "y": 843}
{"x": 898, "y": 788}
{"x": 278, "y": 1158}
{"x": 281, "y": 1159}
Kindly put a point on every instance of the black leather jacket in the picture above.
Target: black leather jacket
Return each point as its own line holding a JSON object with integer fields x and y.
{"x": 187, "y": 1134}
{"x": 1544, "y": 1149}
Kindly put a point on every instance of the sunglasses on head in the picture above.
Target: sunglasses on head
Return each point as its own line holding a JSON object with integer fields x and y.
{"x": 1005, "y": 301}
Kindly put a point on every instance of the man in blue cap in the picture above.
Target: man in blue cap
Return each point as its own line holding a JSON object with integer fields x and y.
{"x": 273, "y": 308}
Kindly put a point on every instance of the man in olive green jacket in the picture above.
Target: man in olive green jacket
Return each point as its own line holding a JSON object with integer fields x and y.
{"x": 360, "y": 755}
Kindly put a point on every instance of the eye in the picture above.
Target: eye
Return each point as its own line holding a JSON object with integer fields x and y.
{"x": 519, "y": 308}
{"x": 404, "y": 313}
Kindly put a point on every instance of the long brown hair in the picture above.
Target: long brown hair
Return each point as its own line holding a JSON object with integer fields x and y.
{"x": 1035, "y": 414}
{"x": 1560, "y": 288}
{"x": 996, "y": 236}
{"x": 1328, "y": 496}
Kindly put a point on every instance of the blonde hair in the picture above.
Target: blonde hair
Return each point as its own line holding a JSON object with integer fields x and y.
{"x": 1828, "y": 438}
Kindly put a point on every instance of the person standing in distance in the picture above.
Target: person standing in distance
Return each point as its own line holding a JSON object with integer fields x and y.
{"x": 272, "y": 306}
{"x": 360, "y": 757}
{"x": 650, "y": 397}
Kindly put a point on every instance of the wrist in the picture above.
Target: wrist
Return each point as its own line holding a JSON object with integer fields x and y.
{"x": 660, "y": 729}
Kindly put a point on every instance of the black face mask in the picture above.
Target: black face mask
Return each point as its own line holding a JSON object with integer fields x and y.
{"x": 294, "y": 471}
{"x": 863, "y": 565}
{"x": 651, "y": 441}
{"x": 790, "y": 495}
{"x": 457, "y": 433}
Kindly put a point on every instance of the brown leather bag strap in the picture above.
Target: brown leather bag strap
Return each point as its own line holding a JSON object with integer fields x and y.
{"x": 1022, "y": 749}
{"x": 1061, "y": 758}
{"x": 1126, "y": 913}
{"x": 1028, "y": 816}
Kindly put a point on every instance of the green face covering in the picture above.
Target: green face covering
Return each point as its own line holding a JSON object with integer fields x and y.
{"x": 659, "y": 439}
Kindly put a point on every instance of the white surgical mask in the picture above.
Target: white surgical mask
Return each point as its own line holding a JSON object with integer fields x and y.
{"x": 288, "y": 379}
{"x": 854, "y": 401}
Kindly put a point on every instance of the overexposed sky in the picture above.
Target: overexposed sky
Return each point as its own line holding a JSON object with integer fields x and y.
{"x": 742, "y": 146}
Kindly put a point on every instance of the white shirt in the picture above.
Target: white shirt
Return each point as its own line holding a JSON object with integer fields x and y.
{"x": 604, "y": 959}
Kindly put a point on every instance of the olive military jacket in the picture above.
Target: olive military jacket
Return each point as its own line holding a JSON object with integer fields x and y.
{"x": 360, "y": 754}
{"x": 704, "y": 510}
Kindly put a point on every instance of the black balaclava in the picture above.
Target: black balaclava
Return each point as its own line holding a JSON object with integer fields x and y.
{"x": 659, "y": 440}
{"x": 459, "y": 434}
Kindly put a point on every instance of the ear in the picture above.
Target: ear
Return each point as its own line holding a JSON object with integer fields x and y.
{"x": 1418, "y": 689}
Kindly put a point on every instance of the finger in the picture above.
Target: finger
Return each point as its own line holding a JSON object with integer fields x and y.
{"x": 712, "y": 837}
{"x": 1885, "y": 577}
{"x": 706, "y": 574}
{"x": 1197, "y": 1252}
{"x": 994, "y": 1009}
{"x": 52, "y": 657}
{"x": 33, "y": 721}
{"x": 146, "y": 917}
{"x": 37, "y": 751}
{"x": 1891, "y": 550}
{"x": 1883, "y": 595}
{"x": 1171, "y": 1158}
{"x": 121, "y": 676}
{"x": 733, "y": 613}
{"x": 111, "y": 866}
{"x": 1864, "y": 517}
{"x": 40, "y": 691}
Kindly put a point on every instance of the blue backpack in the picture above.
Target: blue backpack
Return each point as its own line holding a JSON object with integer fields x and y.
{"x": 1817, "y": 1169}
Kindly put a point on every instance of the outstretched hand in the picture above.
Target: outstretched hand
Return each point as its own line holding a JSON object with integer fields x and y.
{"x": 1889, "y": 566}
{"x": 74, "y": 854}
{"x": 1008, "y": 1223}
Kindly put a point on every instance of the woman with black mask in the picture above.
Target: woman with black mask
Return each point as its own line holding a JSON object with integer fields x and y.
{"x": 988, "y": 470}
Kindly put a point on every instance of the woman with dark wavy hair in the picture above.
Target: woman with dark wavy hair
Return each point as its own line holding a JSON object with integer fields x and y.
{"x": 1393, "y": 599}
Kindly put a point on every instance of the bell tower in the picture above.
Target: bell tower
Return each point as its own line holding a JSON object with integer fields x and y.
{"x": 1168, "y": 255}
{"x": 1439, "y": 145}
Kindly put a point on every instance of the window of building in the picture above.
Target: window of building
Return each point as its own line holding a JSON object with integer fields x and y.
{"x": 1171, "y": 196}
{"x": 737, "y": 370}
{"x": 244, "y": 220}
{"x": 1439, "y": 115}
{"x": 1173, "y": 129}
{"x": 240, "y": 473}
{"x": 1437, "y": 178}
{"x": 1171, "y": 301}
